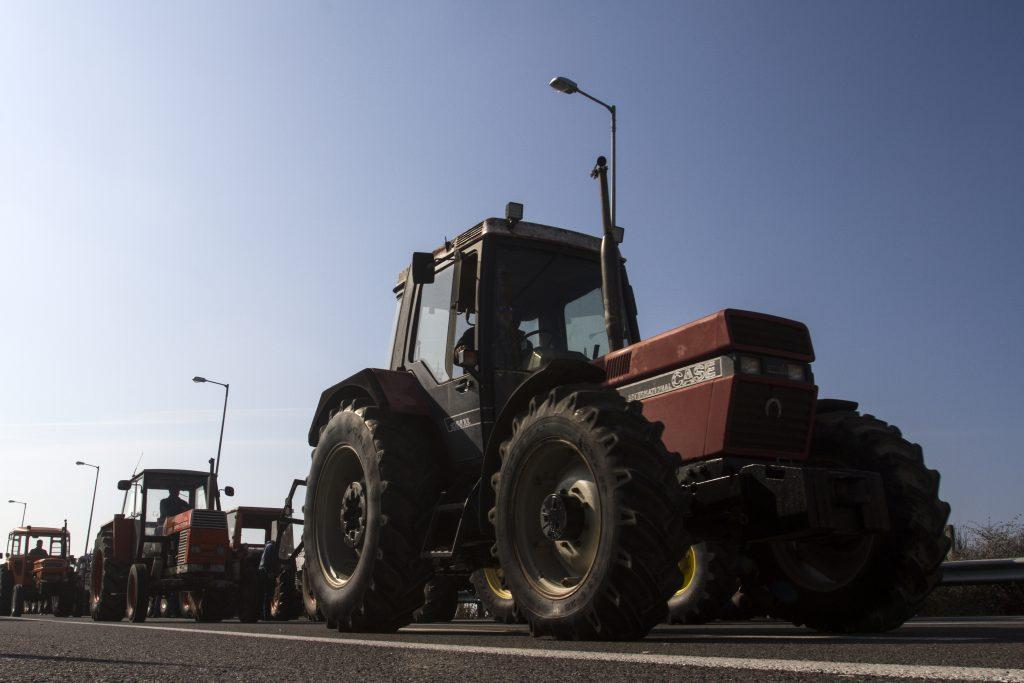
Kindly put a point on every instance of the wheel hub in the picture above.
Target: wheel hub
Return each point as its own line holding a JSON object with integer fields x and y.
{"x": 353, "y": 514}
{"x": 561, "y": 516}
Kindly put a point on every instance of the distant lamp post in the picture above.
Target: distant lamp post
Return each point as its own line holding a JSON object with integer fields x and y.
{"x": 24, "y": 506}
{"x": 223, "y": 416}
{"x": 95, "y": 484}
{"x": 569, "y": 87}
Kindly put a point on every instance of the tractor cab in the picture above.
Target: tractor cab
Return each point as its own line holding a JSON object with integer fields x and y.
{"x": 251, "y": 528}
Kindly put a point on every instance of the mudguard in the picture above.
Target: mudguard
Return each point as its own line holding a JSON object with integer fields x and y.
{"x": 397, "y": 391}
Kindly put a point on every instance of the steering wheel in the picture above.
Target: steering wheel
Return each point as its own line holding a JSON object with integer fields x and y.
{"x": 539, "y": 331}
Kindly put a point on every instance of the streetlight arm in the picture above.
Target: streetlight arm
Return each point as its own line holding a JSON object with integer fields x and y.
{"x": 609, "y": 107}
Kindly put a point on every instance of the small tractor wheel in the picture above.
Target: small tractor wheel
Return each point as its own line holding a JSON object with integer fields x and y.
{"x": 370, "y": 494}
{"x": 249, "y": 594}
{"x": 109, "y": 582}
{"x": 868, "y": 583}
{"x": 440, "y": 601}
{"x": 588, "y": 517}
{"x": 18, "y": 601}
{"x": 309, "y": 605}
{"x": 63, "y": 603}
{"x": 492, "y": 590}
{"x": 286, "y": 603}
{"x": 211, "y": 604}
{"x": 138, "y": 593}
{"x": 708, "y": 583}
{"x": 6, "y": 591}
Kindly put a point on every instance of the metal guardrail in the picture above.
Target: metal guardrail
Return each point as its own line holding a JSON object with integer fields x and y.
{"x": 981, "y": 572}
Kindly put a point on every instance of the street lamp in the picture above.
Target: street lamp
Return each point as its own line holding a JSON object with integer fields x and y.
{"x": 227, "y": 387}
{"x": 24, "y": 506}
{"x": 95, "y": 483}
{"x": 569, "y": 87}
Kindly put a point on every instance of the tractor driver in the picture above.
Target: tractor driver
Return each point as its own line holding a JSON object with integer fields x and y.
{"x": 170, "y": 506}
{"x": 511, "y": 347}
{"x": 38, "y": 552}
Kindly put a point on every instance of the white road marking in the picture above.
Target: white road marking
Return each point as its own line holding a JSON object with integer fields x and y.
{"x": 860, "y": 669}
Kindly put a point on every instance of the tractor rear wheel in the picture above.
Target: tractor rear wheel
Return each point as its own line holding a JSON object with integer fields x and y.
{"x": 18, "y": 601}
{"x": 588, "y": 516}
{"x": 309, "y": 600}
{"x": 492, "y": 590}
{"x": 440, "y": 601}
{"x": 138, "y": 593}
{"x": 63, "y": 603}
{"x": 708, "y": 583}
{"x": 286, "y": 603}
{"x": 369, "y": 498}
{"x": 6, "y": 591}
{"x": 211, "y": 604}
{"x": 249, "y": 593}
{"x": 867, "y": 583}
{"x": 109, "y": 582}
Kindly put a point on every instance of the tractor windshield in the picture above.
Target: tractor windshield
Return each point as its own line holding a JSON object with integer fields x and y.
{"x": 548, "y": 305}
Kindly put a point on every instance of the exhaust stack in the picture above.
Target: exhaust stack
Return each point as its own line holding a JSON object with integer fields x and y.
{"x": 611, "y": 269}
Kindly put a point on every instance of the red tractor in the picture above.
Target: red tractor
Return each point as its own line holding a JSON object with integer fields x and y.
{"x": 165, "y": 545}
{"x": 38, "y": 573}
{"x": 524, "y": 425}
{"x": 251, "y": 529}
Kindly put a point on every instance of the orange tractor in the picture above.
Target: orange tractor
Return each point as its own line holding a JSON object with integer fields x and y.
{"x": 251, "y": 529}
{"x": 172, "y": 546}
{"x": 38, "y": 575}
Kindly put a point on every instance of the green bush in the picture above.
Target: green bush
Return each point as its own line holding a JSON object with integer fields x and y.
{"x": 991, "y": 540}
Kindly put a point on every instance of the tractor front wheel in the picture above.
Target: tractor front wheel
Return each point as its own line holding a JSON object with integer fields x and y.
{"x": 138, "y": 593}
{"x": 708, "y": 582}
{"x": 867, "y": 583}
{"x": 369, "y": 498}
{"x": 588, "y": 517}
{"x": 492, "y": 590}
{"x": 440, "y": 601}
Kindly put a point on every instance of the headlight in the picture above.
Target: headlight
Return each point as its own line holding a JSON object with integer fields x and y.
{"x": 795, "y": 372}
{"x": 750, "y": 365}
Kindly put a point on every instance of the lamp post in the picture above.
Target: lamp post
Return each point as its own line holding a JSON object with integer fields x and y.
{"x": 223, "y": 416}
{"x": 569, "y": 87}
{"x": 24, "y": 506}
{"x": 95, "y": 484}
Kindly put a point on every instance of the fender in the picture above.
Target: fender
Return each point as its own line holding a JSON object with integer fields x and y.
{"x": 557, "y": 373}
{"x": 391, "y": 389}
{"x": 834, "y": 405}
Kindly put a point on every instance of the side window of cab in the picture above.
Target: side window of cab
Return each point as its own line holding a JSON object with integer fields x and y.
{"x": 433, "y": 325}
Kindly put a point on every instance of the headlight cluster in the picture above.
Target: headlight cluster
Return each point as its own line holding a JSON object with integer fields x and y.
{"x": 753, "y": 365}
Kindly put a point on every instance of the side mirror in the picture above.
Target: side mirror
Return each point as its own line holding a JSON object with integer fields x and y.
{"x": 124, "y": 485}
{"x": 229, "y": 491}
{"x": 422, "y": 270}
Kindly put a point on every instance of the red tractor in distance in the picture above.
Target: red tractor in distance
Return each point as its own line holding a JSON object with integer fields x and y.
{"x": 39, "y": 580}
{"x": 173, "y": 540}
{"x": 524, "y": 425}
{"x": 251, "y": 529}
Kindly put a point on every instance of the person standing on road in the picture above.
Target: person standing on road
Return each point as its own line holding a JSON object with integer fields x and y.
{"x": 270, "y": 567}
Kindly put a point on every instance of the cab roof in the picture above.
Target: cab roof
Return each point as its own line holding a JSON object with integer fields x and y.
{"x": 164, "y": 479}
{"x": 38, "y": 531}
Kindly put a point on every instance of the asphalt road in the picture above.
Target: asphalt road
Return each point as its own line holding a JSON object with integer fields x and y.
{"x": 46, "y": 649}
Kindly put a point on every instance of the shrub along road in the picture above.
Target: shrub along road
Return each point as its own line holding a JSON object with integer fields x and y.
{"x": 46, "y": 648}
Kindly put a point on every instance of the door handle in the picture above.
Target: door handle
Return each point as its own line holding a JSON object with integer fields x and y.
{"x": 463, "y": 385}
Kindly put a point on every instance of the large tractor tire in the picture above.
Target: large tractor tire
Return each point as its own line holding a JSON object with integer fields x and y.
{"x": 709, "y": 580}
{"x": 286, "y": 602}
{"x": 6, "y": 592}
{"x": 138, "y": 594}
{"x": 440, "y": 601}
{"x": 17, "y": 600}
{"x": 370, "y": 493}
{"x": 588, "y": 517}
{"x": 109, "y": 582}
{"x": 492, "y": 590}
{"x": 870, "y": 583}
{"x": 309, "y": 605}
{"x": 249, "y": 594}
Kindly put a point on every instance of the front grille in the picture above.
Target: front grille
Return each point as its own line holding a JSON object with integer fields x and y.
{"x": 209, "y": 519}
{"x": 183, "y": 546}
{"x": 770, "y": 418}
{"x": 770, "y": 334}
{"x": 618, "y": 366}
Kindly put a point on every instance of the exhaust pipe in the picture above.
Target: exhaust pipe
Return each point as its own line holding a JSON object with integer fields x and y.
{"x": 611, "y": 268}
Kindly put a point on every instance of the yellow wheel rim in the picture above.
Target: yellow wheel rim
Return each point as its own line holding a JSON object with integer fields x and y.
{"x": 688, "y": 568}
{"x": 495, "y": 583}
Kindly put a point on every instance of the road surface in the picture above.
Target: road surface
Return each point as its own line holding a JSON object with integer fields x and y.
{"x": 45, "y": 648}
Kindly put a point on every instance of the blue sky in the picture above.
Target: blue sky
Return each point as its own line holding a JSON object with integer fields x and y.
{"x": 230, "y": 189}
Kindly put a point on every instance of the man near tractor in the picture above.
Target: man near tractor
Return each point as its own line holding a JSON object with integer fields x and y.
{"x": 172, "y": 505}
{"x": 270, "y": 567}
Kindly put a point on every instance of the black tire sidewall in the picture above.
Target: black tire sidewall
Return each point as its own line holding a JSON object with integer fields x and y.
{"x": 346, "y": 429}
{"x": 528, "y": 599}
